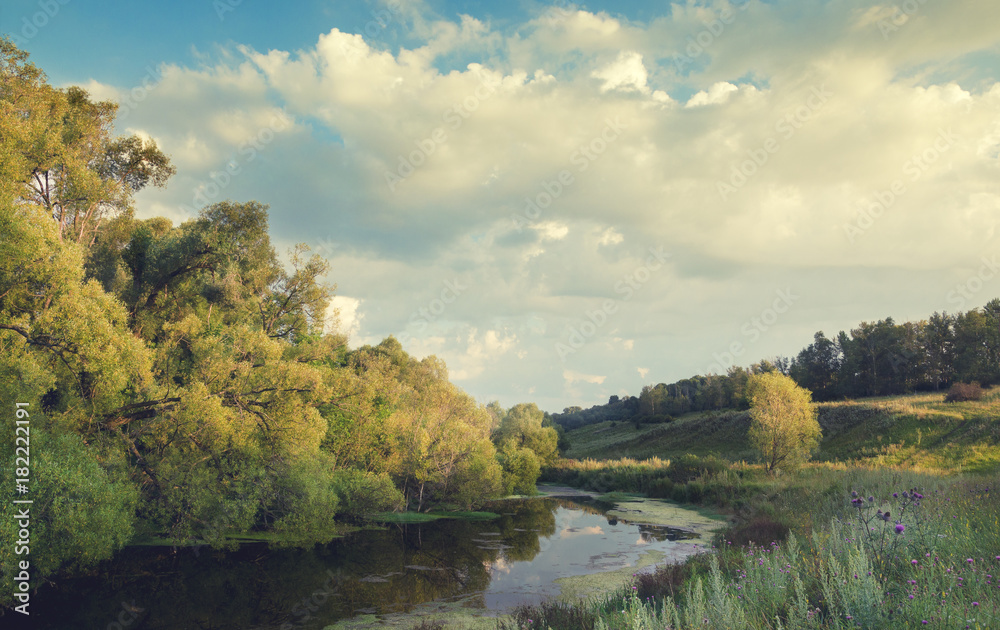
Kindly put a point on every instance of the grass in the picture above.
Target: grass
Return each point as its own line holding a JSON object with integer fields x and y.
{"x": 800, "y": 554}
{"x": 797, "y": 552}
{"x": 913, "y": 431}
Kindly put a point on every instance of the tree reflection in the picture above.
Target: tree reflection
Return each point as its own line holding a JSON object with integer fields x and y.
{"x": 379, "y": 571}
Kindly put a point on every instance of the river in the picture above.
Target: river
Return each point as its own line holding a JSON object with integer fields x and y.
{"x": 538, "y": 548}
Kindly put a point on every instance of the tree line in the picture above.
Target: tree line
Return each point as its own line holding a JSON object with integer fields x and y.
{"x": 182, "y": 382}
{"x": 879, "y": 358}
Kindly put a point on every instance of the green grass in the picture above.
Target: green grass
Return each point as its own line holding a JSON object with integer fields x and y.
{"x": 701, "y": 433}
{"x": 810, "y": 541}
{"x": 814, "y": 563}
{"x": 918, "y": 431}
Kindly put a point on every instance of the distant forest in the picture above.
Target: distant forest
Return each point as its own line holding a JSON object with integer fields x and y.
{"x": 875, "y": 359}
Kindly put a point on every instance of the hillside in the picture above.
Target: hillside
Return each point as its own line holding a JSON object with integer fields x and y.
{"x": 917, "y": 430}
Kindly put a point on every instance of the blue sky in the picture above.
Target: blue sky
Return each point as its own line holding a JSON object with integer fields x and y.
{"x": 569, "y": 201}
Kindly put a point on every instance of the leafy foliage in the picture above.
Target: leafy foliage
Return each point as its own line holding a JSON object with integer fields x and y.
{"x": 783, "y": 427}
{"x": 182, "y": 381}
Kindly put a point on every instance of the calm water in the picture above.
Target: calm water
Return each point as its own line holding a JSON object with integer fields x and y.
{"x": 491, "y": 565}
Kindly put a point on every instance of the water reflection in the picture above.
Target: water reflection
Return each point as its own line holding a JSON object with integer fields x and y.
{"x": 493, "y": 565}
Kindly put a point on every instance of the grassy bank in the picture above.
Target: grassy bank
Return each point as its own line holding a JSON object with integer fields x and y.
{"x": 914, "y": 431}
{"x": 801, "y": 550}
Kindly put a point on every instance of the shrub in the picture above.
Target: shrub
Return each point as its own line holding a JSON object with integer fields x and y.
{"x": 761, "y": 530}
{"x": 665, "y": 581}
{"x": 554, "y": 615}
{"x": 690, "y": 467}
{"x": 360, "y": 493}
{"x": 961, "y": 392}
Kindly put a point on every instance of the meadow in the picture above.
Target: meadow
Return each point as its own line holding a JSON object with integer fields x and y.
{"x": 894, "y": 523}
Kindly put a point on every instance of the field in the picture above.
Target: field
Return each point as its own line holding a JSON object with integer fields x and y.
{"x": 893, "y": 523}
{"x": 916, "y": 431}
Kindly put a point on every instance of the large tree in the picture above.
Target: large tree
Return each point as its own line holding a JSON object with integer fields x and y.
{"x": 783, "y": 421}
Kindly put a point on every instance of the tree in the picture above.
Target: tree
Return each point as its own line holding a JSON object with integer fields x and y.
{"x": 783, "y": 422}
{"x": 522, "y": 426}
{"x": 816, "y": 366}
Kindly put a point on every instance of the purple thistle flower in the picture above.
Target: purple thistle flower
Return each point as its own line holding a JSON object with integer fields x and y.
{"x": 900, "y": 528}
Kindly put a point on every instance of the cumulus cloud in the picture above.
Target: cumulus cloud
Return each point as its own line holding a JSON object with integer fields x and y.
{"x": 539, "y": 175}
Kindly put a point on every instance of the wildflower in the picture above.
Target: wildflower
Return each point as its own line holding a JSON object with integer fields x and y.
{"x": 975, "y": 604}
{"x": 913, "y": 561}
{"x": 969, "y": 560}
{"x": 871, "y": 499}
{"x": 854, "y": 494}
{"x": 895, "y": 495}
{"x": 900, "y": 528}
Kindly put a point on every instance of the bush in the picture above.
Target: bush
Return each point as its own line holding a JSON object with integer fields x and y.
{"x": 83, "y": 513}
{"x": 520, "y": 469}
{"x": 553, "y": 615}
{"x": 760, "y": 530}
{"x": 360, "y": 493}
{"x": 961, "y": 392}
{"x": 306, "y": 501}
{"x": 690, "y": 467}
{"x": 665, "y": 581}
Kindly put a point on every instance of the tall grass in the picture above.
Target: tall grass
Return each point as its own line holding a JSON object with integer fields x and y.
{"x": 933, "y": 563}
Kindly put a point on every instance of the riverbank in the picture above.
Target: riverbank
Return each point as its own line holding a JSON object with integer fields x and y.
{"x": 831, "y": 546}
{"x": 576, "y": 546}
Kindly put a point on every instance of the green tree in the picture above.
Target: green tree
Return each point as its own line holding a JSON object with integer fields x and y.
{"x": 783, "y": 422}
{"x": 522, "y": 426}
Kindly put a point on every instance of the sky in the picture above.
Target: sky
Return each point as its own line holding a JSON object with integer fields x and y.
{"x": 570, "y": 201}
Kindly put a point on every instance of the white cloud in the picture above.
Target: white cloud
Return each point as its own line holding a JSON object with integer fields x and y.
{"x": 587, "y": 94}
{"x": 343, "y": 315}
{"x": 626, "y": 73}
{"x": 719, "y": 93}
{"x": 572, "y": 376}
